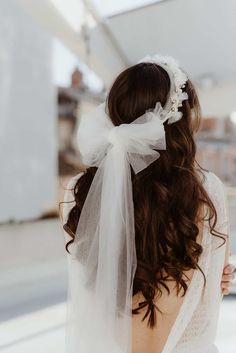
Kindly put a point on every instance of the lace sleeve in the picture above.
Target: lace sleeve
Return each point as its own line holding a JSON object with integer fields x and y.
{"x": 218, "y": 195}
{"x": 219, "y": 199}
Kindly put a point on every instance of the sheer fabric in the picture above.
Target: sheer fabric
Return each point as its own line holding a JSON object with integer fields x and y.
{"x": 195, "y": 327}
{"x": 103, "y": 261}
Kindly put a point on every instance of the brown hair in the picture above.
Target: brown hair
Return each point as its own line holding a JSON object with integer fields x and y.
{"x": 168, "y": 195}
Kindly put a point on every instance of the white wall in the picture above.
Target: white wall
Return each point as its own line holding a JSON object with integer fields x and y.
{"x": 28, "y": 151}
{"x": 219, "y": 100}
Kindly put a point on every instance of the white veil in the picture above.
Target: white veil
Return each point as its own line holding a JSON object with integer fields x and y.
{"x": 103, "y": 256}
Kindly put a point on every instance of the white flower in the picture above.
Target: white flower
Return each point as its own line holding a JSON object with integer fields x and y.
{"x": 178, "y": 79}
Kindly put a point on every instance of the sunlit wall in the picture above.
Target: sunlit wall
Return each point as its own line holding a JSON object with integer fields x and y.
{"x": 27, "y": 117}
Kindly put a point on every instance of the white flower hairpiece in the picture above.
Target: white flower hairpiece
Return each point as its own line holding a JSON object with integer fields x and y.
{"x": 178, "y": 81}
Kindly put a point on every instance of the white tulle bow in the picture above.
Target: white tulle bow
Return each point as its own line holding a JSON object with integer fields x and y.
{"x": 104, "y": 261}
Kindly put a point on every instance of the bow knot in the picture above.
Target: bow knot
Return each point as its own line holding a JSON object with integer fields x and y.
{"x": 114, "y": 135}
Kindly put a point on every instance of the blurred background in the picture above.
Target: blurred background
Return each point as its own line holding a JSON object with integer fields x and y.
{"x": 57, "y": 60}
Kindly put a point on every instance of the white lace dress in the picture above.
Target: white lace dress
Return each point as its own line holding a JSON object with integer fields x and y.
{"x": 195, "y": 327}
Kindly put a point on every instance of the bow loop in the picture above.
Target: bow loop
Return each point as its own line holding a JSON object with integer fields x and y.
{"x": 139, "y": 141}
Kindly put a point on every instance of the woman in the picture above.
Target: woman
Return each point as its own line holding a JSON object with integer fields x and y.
{"x": 149, "y": 228}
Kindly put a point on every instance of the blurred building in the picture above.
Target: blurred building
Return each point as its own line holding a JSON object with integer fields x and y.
{"x": 217, "y": 147}
{"x": 72, "y": 102}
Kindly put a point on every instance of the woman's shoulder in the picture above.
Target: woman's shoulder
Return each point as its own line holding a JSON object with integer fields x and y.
{"x": 212, "y": 183}
{"x": 68, "y": 199}
{"x": 72, "y": 181}
{"x": 215, "y": 189}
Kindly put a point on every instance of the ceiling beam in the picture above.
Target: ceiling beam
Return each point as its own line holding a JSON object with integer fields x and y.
{"x": 104, "y": 63}
{"x": 106, "y": 30}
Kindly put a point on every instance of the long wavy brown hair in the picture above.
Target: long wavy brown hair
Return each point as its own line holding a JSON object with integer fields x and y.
{"x": 168, "y": 195}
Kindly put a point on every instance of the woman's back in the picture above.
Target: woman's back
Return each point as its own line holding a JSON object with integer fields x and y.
{"x": 188, "y": 323}
{"x": 153, "y": 340}
{"x": 185, "y": 323}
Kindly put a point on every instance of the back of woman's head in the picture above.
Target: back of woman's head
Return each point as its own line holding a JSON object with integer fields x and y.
{"x": 167, "y": 195}
{"x": 138, "y": 89}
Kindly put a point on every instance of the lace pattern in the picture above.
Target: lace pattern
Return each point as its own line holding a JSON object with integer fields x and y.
{"x": 195, "y": 327}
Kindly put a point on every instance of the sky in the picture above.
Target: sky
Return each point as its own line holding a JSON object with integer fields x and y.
{"x": 111, "y": 7}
